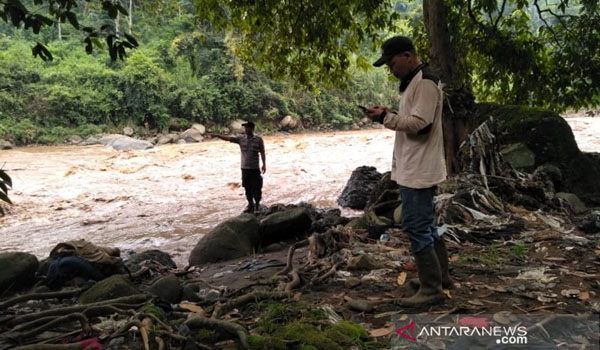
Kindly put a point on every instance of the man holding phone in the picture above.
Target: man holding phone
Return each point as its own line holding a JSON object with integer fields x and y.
{"x": 418, "y": 162}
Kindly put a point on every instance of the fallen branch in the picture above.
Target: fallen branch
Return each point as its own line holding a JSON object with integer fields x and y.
{"x": 221, "y": 309}
{"x": 289, "y": 265}
{"x": 230, "y": 327}
{"x": 40, "y": 296}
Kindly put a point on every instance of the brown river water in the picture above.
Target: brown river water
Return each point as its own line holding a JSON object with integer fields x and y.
{"x": 168, "y": 197}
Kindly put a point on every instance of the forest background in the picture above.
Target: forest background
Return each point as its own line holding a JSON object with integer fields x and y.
{"x": 187, "y": 69}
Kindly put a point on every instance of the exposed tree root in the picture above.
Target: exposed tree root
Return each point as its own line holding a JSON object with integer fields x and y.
{"x": 127, "y": 327}
{"x": 160, "y": 342}
{"x": 229, "y": 327}
{"x": 295, "y": 281}
{"x": 221, "y": 309}
{"x": 331, "y": 272}
{"x": 72, "y": 346}
{"x": 85, "y": 325}
{"x": 40, "y": 296}
{"x": 77, "y": 308}
{"x": 290, "y": 265}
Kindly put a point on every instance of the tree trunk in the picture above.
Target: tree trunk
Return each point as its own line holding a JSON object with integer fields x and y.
{"x": 459, "y": 98}
{"x": 59, "y": 28}
{"x": 130, "y": 17}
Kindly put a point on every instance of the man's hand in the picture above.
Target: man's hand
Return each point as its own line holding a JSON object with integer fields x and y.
{"x": 264, "y": 168}
{"x": 376, "y": 112}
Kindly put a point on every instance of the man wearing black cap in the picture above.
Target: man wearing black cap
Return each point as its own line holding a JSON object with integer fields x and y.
{"x": 250, "y": 146}
{"x": 418, "y": 162}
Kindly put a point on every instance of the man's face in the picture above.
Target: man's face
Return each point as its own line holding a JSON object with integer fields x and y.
{"x": 249, "y": 130}
{"x": 400, "y": 65}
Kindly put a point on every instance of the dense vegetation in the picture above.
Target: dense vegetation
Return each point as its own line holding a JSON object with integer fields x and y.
{"x": 199, "y": 60}
{"x": 180, "y": 72}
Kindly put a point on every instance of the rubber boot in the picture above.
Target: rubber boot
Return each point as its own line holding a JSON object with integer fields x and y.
{"x": 430, "y": 276}
{"x": 442, "y": 255}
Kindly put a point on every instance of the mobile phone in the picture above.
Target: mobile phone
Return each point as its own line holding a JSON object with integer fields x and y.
{"x": 362, "y": 108}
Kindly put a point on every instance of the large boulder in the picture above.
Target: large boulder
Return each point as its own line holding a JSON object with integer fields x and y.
{"x": 128, "y": 143}
{"x": 231, "y": 239}
{"x": 167, "y": 288}
{"x": 5, "y": 144}
{"x": 551, "y": 139}
{"x": 284, "y": 225}
{"x": 135, "y": 259}
{"x": 358, "y": 189}
{"x": 519, "y": 156}
{"x": 17, "y": 271}
{"x": 113, "y": 287}
{"x": 290, "y": 123}
{"x": 199, "y": 127}
{"x": 191, "y": 135}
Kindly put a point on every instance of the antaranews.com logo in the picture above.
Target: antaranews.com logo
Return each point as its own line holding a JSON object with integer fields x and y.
{"x": 496, "y": 332}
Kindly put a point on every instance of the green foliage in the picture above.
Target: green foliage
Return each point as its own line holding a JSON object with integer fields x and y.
{"x": 309, "y": 41}
{"x": 519, "y": 250}
{"x": 47, "y": 13}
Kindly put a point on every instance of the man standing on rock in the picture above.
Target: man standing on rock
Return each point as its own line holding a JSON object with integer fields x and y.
{"x": 418, "y": 162}
{"x": 250, "y": 146}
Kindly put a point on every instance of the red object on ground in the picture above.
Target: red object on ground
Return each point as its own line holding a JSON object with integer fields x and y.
{"x": 478, "y": 322}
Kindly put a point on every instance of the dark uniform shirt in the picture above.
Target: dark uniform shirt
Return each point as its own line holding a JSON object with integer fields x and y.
{"x": 250, "y": 148}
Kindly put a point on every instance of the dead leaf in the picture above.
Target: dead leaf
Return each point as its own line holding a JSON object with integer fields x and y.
{"x": 381, "y": 332}
{"x": 191, "y": 307}
{"x": 187, "y": 177}
{"x": 401, "y": 278}
{"x": 584, "y": 296}
{"x": 447, "y": 292}
{"x": 476, "y": 302}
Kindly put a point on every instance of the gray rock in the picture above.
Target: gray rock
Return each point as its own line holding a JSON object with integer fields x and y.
{"x": 168, "y": 289}
{"x": 5, "y": 144}
{"x": 115, "y": 286}
{"x": 356, "y": 193}
{"x": 153, "y": 254}
{"x": 191, "y": 135}
{"x": 108, "y": 139}
{"x": 284, "y": 225}
{"x": 128, "y": 143}
{"x": 578, "y": 206}
{"x": 199, "y": 127}
{"x": 231, "y": 239}
{"x": 519, "y": 156}
{"x": 75, "y": 139}
{"x": 290, "y": 123}
{"x": 17, "y": 271}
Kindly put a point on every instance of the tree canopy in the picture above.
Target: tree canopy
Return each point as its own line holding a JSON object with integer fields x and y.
{"x": 512, "y": 51}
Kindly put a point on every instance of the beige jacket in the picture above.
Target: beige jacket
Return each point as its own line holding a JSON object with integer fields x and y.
{"x": 418, "y": 160}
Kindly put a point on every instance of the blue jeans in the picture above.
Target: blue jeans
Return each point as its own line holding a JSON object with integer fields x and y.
{"x": 418, "y": 220}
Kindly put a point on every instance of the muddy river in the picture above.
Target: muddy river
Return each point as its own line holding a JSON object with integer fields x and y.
{"x": 168, "y": 197}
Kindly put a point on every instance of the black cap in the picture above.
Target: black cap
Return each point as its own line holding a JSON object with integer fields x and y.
{"x": 394, "y": 46}
{"x": 248, "y": 123}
